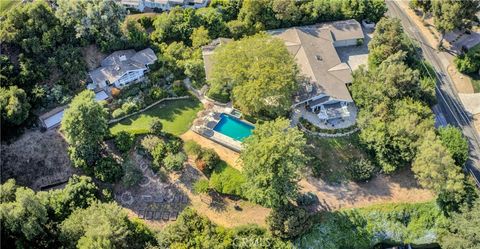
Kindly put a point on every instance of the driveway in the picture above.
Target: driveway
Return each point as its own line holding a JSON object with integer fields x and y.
{"x": 355, "y": 56}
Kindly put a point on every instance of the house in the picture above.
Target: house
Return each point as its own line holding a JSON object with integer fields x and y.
{"x": 121, "y": 68}
{"x": 324, "y": 89}
{"x": 163, "y": 5}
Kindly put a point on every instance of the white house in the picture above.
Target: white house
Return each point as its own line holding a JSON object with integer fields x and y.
{"x": 163, "y": 5}
{"x": 121, "y": 68}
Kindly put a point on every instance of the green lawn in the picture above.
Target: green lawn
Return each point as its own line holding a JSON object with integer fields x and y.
{"x": 6, "y": 5}
{"x": 475, "y": 82}
{"x": 176, "y": 116}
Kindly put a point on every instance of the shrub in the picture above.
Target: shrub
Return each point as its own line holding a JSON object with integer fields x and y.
{"x": 318, "y": 167}
{"x": 288, "y": 221}
{"x": 118, "y": 113}
{"x": 130, "y": 107}
{"x": 227, "y": 180}
{"x": 124, "y": 141}
{"x": 192, "y": 148}
{"x": 158, "y": 154}
{"x": 361, "y": 170}
{"x": 178, "y": 89}
{"x": 307, "y": 199}
{"x": 132, "y": 175}
{"x": 156, "y": 127}
{"x": 174, "y": 145}
{"x": 466, "y": 64}
{"x": 210, "y": 158}
{"x": 108, "y": 170}
{"x": 150, "y": 142}
{"x": 157, "y": 93}
{"x": 201, "y": 186}
{"x": 174, "y": 161}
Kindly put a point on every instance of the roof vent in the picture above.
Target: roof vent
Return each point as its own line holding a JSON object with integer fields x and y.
{"x": 117, "y": 68}
{"x": 318, "y": 57}
{"x": 123, "y": 58}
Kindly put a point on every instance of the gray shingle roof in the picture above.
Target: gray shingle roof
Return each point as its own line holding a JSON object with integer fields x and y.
{"x": 120, "y": 62}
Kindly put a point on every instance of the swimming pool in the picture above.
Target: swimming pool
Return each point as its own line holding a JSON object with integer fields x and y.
{"x": 233, "y": 127}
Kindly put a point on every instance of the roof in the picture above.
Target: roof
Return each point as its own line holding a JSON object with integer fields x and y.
{"x": 102, "y": 95}
{"x": 114, "y": 66}
{"x": 313, "y": 48}
{"x": 207, "y": 52}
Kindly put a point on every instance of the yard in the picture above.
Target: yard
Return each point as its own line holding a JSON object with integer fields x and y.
{"x": 176, "y": 117}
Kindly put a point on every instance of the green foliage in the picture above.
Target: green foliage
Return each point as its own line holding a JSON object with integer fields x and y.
{"x": 14, "y": 106}
{"x": 108, "y": 170}
{"x": 135, "y": 34}
{"x": 133, "y": 175}
{"x": 365, "y": 227}
{"x": 244, "y": 68}
{"x": 307, "y": 199}
{"x": 200, "y": 37}
{"x": 194, "y": 231}
{"x": 158, "y": 154}
{"x": 288, "y": 221}
{"x": 201, "y": 186}
{"x": 449, "y": 15}
{"x": 272, "y": 157}
{"x": 149, "y": 143}
{"x": 156, "y": 126}
{"x": 362, "y": 170}
{"x": 85, "y": 125}
{"x": 7, "y": 191}
{"x": 462, "y": 230}
{"x": 174, "y": 162}
{"x": 192, "y": 148}
{"x": 102, "y": 225}
{"x": 80, "y": 192}
{"x": 454, "y": 141}
{"x": 93, "y": 21}
{"x": 210, "y": 158}
{"x": 124, "y": 141}
{"x": 467, "y": 64}
{"x": 435, "y": 169}
{"x": 227, "y": 180}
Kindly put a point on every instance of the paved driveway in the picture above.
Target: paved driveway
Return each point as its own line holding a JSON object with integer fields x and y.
{"x": 355, "y": 56}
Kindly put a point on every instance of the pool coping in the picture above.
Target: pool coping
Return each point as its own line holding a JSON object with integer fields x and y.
{"x": 236, "y": 118}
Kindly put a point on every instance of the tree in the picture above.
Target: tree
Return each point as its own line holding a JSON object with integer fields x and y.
{"x": 85, "y": 125}
{"x": 156, "y": 127}
{"x": 135, "y": 34}
{"x": 435, "y": 169}
{"x": 454, "y": 141}
{"x": 450, "y": 14}
{"x": 23, "y": 220}
{"x": 288, "y": 221}
{"x": 102, "y": 225}
{"x": 272, "y": 157}
{"x": 259, "y": 74}
{"x": 80, "y": 192}
{"x": 14, "y": 106}
{"x": 124, "y": 141}
{"x": 200, "y": 37}
{"x": 462, "y": 230}
{"x": 107, "y": 169}
{"x": 93, "y": 21}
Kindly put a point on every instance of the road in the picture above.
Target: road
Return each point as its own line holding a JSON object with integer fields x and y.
{"x": 448, "y": 100}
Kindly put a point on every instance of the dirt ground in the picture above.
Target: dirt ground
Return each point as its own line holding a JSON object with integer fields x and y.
{"x": 400, "y": 187}
{"x": 93, "y": 56}
{"x": 36, "y": 159}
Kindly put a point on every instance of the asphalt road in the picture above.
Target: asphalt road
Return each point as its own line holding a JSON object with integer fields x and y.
{"x": 449, "y": 104}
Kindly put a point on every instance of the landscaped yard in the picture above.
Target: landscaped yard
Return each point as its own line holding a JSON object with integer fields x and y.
{"x": 176, "y": 117}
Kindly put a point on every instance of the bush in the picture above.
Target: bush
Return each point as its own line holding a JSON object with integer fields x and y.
{"x": 192, "y": 148}
{"x": 108, "y": 170}
{"x": 157, "y": 93}
{"x": 178, "y": 89}
{"x": 174, "y": 145}
{"x": 124, "y": 141}
{"x": 227, "y": 180}
{"x": 174, "y": 161}
{"x": 158, "y": 154}
{"x": 118, "y": 113}
{"x": 318, "y": 167}
{"x": 361, "y": 170}
{"x": 150, "y": 142}
{"x": 156, "y": 127}
{"x": 132, "y": 175}
{"x": 210, "y": 158}
{"x": 201, "y": 186}
{"x": 288, "y": 221}
{"x": 130, "y": 107}
{"x": 467, "y": 64}
{"x": 307, "y": 199}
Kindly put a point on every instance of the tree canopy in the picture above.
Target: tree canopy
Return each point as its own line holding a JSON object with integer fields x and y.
{"x": 85, "y": 125}
{"x": 462, "y": 231}
{"x": 14, "y": 106}
{"x": 272, "y": 157}
{"x": 453, "y": 139}
{"x": 257, "y": 72}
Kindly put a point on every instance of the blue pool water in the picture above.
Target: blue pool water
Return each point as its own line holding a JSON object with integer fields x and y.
{"x": 233, "y": 127}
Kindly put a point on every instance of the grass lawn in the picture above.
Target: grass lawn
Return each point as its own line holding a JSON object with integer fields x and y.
{"x": 5, "y": 5}
{"x": 332, "y": 155}
{"x": 176, "y": 116}
{"x": 475, "y": 82}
